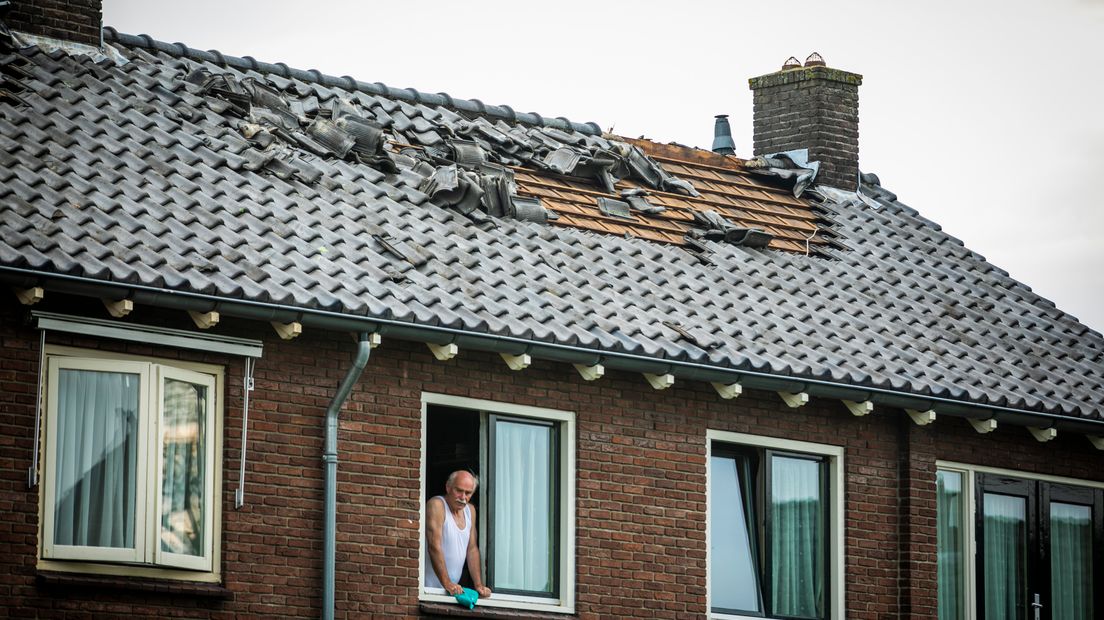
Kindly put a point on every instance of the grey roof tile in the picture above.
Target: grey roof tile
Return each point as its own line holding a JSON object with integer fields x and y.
{"x": 121, "y": 173}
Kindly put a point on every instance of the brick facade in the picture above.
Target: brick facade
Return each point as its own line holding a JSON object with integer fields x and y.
{"x": 640, "y": 482}
{"x": 815, "y": 108}
{"x": 78, "y": 21}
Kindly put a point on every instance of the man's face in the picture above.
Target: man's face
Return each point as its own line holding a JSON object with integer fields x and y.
{"x": 460, "y": 491}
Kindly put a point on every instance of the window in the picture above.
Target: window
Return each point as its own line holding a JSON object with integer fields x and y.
{"x": 524, "y": 458}
{"x": 130, "y": 475}
{"x": 774, "y": 528}
{"x": 1039, "y": 543}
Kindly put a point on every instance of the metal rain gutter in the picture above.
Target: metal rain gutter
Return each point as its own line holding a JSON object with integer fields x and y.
{"x": 329, "y": 457}
{"x": 405, "y": 330}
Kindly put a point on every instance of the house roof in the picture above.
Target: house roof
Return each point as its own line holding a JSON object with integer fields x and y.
{"x": 185, "y": 171}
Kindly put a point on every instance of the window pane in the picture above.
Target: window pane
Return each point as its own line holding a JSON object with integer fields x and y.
{"x": 733, "y": 580}
{"x": 949, "y": 544}
{"x": 97, "y": 430}
{"x": 524, "y": 524}
{"x": 1071, "y": 568}
{"x": 182, "y": 469}
{"x": 1005, "y": 556}
{"x": 797, "y": 538}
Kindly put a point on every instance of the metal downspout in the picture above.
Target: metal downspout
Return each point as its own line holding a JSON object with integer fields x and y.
{"x": 329, "y": 456}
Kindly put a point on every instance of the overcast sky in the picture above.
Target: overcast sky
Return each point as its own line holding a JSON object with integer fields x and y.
{"x": 987, "y": 116}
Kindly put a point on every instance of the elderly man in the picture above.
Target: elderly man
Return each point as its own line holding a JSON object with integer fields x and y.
{"x": 450, "y": 523}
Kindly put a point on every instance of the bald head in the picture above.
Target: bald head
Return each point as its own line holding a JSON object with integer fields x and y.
{"x": 462, "y": 477}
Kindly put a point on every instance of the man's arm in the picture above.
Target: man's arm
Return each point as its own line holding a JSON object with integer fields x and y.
{"x": 473, "y": 560}
{"x": 435, "y": 525}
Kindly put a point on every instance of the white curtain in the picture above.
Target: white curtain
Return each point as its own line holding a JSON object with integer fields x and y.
{"x": 523, "y": 525}
{"x": 1005, "y": 531}
{"x": 97, "y": 434}
{"x": 797, "y": 538}
{"x": 1071, "y": 562}
{"x": 182, "y": 475}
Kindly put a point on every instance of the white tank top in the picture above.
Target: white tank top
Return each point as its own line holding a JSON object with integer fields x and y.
{"x": 454, "y": 545}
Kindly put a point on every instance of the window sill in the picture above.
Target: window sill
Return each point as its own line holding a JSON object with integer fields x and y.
{"x": 453, "y": 610}
{"x": 214, "y": 591}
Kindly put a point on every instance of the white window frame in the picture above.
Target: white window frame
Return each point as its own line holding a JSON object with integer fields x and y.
{"x": 969, "y": 515}
{"x": 566, "y": 420}
{"x": 146, "y": 559}
{"x": 834, "y": 457}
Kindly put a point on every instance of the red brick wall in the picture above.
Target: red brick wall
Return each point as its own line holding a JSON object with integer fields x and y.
{"x": 640, "y": 482}
{"x": 69, "y": 20}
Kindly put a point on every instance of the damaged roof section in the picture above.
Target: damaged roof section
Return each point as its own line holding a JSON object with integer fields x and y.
{"x": 731, "y": 205}
{"x": 463, "y": 163}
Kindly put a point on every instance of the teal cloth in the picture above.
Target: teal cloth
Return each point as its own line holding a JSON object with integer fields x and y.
{"x": 467, "y": 598}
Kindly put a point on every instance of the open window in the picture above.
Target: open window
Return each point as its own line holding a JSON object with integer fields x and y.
{"x": 774, "y": 528}
{"x": 131, "y": 474}
{"x": 523, "y": 457}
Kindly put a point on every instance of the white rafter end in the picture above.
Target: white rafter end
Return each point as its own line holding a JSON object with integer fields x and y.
{"x": 728, "y": 390}
{"x": 374, "y": 340}
{"x": 1097, "y": 441}
{"x": 29, "y": 296}
{"x": 204, "y": 320}
{"x": 922, "y": 418}
{"x": 983, "y": 426}
{"x": 118, "y": 308}
{"x": 859, "y": 408}
{"x": 1043, "y": 434}
{"x": 443, "y": 352}
{"x": 794, "y": 400}
{"x": 287, "y": 331}
{"x": 590, "y": 373}
{"x": 517, "y": 362}
{"x": 660, "y": 382}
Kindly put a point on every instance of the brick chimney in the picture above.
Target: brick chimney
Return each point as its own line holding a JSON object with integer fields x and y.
{"x": 78, "y": 21}
{"x": 811, "y": 107}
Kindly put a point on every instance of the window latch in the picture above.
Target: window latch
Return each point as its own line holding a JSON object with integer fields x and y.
{"x": 1037, "y": 606}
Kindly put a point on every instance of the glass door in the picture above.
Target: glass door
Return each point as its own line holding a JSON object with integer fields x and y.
{"x": 1039, "y": 546}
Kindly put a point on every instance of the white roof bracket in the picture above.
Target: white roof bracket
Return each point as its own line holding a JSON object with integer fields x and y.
{"x": 287, "y": 331}
{"x": 517, "y": 362}
{"x": 443, "y": 352}
{"x": 29, "y": 296}
{"x": 921, "y": 418}
{"x": 794, "y": 400}
{"x": 660, "y": 382}
{"x": 1043, "y": 434}
{"x": 728, "y": 390}
{"x": 204, "y": 320}
{"x": 983, "y": 426}
{"x": 1096, "y": 440}
{"x": 859, "y": 409}
{"x": 118, "y": 308}
{"x": 590, "y": 373}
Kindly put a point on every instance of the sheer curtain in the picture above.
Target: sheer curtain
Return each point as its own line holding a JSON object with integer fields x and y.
{"x": 523, "y": 525}
{"x": 1005, "y": 556}
{"x": 97, "y": 418}
{"x": 948, "y": 523}
{"x": 182, "y": 475}
{"x": 797, "y": 538}
{"x": 1071, "y": 569}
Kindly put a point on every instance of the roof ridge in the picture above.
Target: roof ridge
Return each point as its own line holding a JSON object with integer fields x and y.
{"x": 476, "y": 106}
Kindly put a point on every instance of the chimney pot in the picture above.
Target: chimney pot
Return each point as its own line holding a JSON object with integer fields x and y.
{"x": 815, "y": 60}
{"x": 791, "y": 63}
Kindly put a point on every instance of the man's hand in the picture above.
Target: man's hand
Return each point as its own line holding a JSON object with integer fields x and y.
{"x": 484, "y": 591}
{"x": 455, "y": 588}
